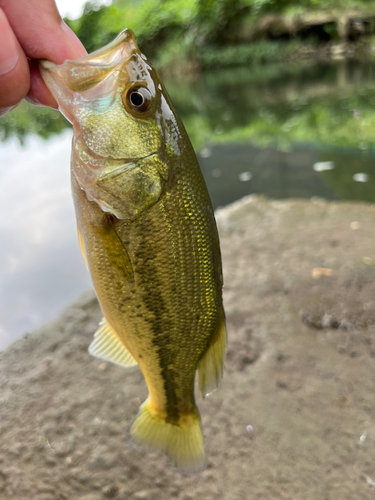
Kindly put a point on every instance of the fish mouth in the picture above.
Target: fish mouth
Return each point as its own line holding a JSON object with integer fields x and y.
{"x": 80, "y": 75}
{"x": 84, "y": 73}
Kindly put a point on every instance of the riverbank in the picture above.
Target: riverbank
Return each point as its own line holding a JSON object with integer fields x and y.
{"x": 294, "y": 416}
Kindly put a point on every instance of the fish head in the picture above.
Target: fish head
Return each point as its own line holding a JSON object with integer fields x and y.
{"x": 121, "y": 116}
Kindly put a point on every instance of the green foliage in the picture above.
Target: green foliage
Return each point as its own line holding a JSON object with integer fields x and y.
{"x": 180, "y": 36}
{"x": 316, "y": 123}
{"x": 290, "y": 103}
{"x": 216, "y": 18}
{"x": 26, "y": 119}
{"x": 293, "y": 6}
{"x": 89, "y": 28}
{"x": 263, "y": 51}
{"x": 153, "y": 21}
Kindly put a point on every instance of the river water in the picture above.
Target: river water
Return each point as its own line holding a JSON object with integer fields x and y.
{"x": 284, "y": 131}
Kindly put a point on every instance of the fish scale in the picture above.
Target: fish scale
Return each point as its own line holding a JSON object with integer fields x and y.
{"x": 148, "y": 235}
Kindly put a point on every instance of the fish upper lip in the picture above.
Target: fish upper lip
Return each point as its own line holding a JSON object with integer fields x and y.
{"x": 47, "y": 64}
{"x": 126, "y": 36}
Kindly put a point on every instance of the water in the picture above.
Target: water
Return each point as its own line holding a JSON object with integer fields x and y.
{"x": 273, "y": 130}
{"x": 283, "y": 131}
{"x": 236, "y": 170}
{"x": 40, "y": 265}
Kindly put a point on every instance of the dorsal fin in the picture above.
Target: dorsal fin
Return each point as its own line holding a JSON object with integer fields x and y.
{"x": 108, "y": 347}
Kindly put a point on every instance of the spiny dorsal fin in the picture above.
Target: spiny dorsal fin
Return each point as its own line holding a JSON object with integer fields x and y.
{"x": 211, "y": 365}
{"x": 108, "y": 347}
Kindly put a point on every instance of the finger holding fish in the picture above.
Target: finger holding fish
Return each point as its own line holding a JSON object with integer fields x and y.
{"x": 13, "y": 68}
{"x": 31, "y": 30}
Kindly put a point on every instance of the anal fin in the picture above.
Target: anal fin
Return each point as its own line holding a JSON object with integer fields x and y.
{"x": 108, "y": 347}
{"x": 211, "y": 365}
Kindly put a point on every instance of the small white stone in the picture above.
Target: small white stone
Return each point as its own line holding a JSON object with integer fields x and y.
{"x": 368, "y": 261}
{"x": 362, "y": 438}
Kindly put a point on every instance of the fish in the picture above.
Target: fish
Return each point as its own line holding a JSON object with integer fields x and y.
{"x": 147, "y": 232}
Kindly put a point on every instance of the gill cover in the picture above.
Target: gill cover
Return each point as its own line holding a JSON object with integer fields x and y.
{"x": 117, "y": 107}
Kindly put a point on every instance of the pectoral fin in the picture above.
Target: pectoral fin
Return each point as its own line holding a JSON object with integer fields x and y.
{"x": 211, "y": 365}
{"x": 81, "y": 244}
{"x": 108, "y": 347}
{"x": 115, "y": 248}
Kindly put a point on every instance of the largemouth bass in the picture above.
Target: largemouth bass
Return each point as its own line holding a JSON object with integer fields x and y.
{"x": 147, "y": 232}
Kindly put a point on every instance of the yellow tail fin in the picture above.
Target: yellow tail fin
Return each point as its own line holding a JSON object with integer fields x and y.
{"x": 182, "y": 443}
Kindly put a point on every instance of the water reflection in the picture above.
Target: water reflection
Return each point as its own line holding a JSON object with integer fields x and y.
{"x": 330, "y": 104}
{"x": 40, "y": 265}
{"x": 282, "y": 131}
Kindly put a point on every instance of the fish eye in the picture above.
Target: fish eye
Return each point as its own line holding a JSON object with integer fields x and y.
{"x": 139, "y": 99}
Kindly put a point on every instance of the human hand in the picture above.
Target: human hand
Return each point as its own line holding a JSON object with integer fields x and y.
{"x": 30, "y": 30}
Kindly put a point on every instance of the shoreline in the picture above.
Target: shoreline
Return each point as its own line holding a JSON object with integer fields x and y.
{"x": 293, "y": 417}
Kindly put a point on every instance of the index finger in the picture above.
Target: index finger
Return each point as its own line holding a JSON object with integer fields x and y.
{"x": 42, "y": 34}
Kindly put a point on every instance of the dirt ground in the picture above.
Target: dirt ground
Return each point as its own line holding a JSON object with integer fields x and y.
{"x": 294, "y": 416}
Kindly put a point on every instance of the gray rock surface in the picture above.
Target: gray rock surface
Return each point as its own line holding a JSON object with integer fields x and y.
{"x": 294, "y": 416}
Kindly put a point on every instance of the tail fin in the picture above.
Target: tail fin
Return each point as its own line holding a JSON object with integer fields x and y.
{"x": 182, "y": 443}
